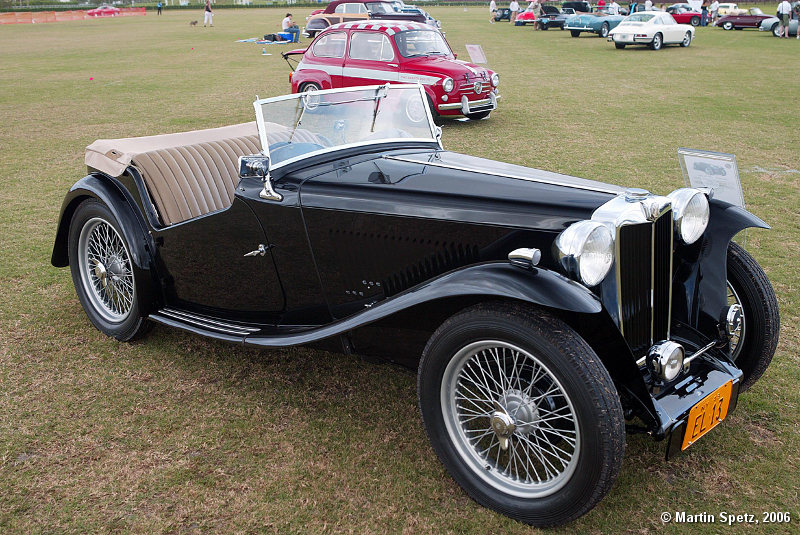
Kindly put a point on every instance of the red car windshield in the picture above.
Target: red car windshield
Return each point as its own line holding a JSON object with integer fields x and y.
{"x": 416, "y": 43}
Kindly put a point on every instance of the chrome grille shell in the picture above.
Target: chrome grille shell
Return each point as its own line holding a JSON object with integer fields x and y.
{"x": 643, "y": 228}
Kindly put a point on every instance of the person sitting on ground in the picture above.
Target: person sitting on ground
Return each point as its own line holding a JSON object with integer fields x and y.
{"x": 289, "y": 26}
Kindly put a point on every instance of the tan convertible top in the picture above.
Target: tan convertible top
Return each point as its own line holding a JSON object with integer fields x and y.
{"x": 113, "y": 156}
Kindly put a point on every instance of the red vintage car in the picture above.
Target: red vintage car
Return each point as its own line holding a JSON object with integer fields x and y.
{"x": 364, "y": 53}
{"x": 103, "y": 10}
{"x": 684, "y": 14}
{"x": 526, "y": 17}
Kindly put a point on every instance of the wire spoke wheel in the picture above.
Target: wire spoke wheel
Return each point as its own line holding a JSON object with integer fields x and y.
{"x": 510, "y": 419}
{"x": 105, "y": 270}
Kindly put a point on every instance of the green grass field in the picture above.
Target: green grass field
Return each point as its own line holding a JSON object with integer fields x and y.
{"x": 181, "y": 434}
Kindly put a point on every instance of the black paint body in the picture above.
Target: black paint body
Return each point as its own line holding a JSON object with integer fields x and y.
{"x": 370, "y": 252}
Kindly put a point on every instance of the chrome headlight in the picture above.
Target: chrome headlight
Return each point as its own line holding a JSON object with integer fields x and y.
{"x": 586, "y": 249}
{"x": 448, "y": 85}
{"x": 495, "y": 80}
{"x": 690, "y": 212}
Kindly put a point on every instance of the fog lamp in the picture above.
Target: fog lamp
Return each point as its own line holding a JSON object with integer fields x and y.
{"x": 665, "y": 360}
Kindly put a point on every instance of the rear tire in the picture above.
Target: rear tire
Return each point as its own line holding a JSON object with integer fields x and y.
{"x": 102, "y": 272}
{"x": 619, "y": 45}
{"x": 604, "y": 30}
{"x": 749, "y": 286}
{"x": 776, "y": 29}
{"x": 658, "y": 42}
{"x": 505, "y": 370}
{"x": 694, "y": 21}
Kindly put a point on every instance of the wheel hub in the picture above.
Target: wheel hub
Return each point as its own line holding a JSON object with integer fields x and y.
{"x": 523, "y": 409}
{"x": 101, "y": 273}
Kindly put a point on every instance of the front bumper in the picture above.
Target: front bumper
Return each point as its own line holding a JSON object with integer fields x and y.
{"x": 674, "y": 403}
{"x": 466, "y": 106}
{"x": 581, "y": 29}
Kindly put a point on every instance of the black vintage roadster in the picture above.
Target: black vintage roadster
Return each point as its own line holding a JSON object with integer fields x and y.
{"x": 544, "y": 312}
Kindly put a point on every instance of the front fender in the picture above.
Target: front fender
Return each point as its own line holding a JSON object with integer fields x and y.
{"x": 114, "y": 195}
{"x": 701, "y": 277}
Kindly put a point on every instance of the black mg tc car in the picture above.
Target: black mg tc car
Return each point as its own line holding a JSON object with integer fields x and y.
{"x": 543, "y": 312}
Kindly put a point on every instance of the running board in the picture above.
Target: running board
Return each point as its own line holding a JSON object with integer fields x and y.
{"x": 204, "y": 325}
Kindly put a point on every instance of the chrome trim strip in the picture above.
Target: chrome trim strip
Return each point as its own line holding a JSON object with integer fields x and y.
{"x": 208, "y": 323}
{"x": 493, "y": 173}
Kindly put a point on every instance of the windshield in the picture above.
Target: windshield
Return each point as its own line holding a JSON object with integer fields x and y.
{"x": 380, "y": 7}
{"x": 640, "y": 17}
{"x": 295, "y": 126}
{"x": 415, "y": 43}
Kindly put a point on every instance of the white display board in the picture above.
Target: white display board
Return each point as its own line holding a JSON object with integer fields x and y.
{"x": 696, "y": 4}
{"x": 715, "y": 170}
{"x": 476, "y": 54}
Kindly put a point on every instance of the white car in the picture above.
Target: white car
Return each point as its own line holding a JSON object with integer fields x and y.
{"x": 652, "y": 28}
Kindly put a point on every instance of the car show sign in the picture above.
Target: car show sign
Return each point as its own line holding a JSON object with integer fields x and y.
{"x": 715, "y": 170}
{"x": 476, "y": 54}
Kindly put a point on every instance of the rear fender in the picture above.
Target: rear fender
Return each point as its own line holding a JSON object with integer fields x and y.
{"x": 114, "y": 195}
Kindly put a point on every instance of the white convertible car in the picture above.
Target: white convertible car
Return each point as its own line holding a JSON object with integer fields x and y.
{"x": 653, "y": 28}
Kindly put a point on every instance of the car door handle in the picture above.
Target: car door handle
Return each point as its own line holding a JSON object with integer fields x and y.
{"x": 261, "y": 251}
{"x": 393, "y": 65}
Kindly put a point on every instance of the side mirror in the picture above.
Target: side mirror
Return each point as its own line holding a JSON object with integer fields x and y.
{"x": 257, "y": 166}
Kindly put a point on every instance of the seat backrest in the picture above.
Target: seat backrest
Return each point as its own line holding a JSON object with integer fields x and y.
{"x": 187, "y": 181}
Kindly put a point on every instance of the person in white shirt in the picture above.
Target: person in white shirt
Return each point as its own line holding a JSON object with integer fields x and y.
{"x": 613, "y": 8}
{"x": 289, "y": 26}
{"x": 713, "y": 10}
{"x": 492, "y": 11}
{"x": 648, "y": 5}
{"x": 514, "y": 8}
{"x": 785, "y": 14}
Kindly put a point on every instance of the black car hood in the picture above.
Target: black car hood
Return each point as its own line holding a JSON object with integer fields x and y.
{"x": 456, "y": 187}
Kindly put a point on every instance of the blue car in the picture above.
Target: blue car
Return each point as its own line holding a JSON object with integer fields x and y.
{"x": 599, "y": 23}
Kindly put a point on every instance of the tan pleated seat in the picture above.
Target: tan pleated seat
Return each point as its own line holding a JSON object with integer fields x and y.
{"x": 191, "y": 173}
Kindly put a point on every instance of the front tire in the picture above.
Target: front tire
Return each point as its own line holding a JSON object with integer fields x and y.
{"x": 308, "y": 86}
{"x": 752, "y": 349}
{"x": 658, "y": 42}
{"x": 102, "y": 272}
{"x": 498, "y": 374}
{"x": 477, "y": 116}
{"x": 727, "y": 25}
{"x": 604, "y": 30}
{"x": 777, "y": 30}
{"x": 575, "y": 33}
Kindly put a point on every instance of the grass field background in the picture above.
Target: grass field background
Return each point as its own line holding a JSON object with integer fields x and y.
{"x": 181, "y": 434}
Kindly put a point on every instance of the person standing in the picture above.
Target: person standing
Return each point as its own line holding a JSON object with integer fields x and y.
{"x": 704, "y": 13}
{"x": 514, "y": 8}
{"x": 288, "y": 25}
{"x": 797, "y": 16}
{"x": 785, "y": 14}
{"x": 632, "y": 7}
{"x": 713, "y": 8}
{"x": 158, "y": 7}
{"x": 648, "y": 5}
{"x": 492, "y": 11}
{"x": 613, "y": 8}
{"x": 538, "y": 13}
{"x": 208, "y": 17}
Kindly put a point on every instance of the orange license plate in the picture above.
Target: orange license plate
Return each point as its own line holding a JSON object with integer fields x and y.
{"x": 707, "y": 414}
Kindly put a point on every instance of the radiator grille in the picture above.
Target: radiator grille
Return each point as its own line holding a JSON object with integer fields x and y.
{"x": 644, "y": 269}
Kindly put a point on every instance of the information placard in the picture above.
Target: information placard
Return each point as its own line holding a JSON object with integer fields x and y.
{"x": 715, "y": 170}
{"x": 476, "y": 54}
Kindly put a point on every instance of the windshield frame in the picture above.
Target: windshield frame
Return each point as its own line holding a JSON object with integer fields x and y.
{"x": 258, "y": 104}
